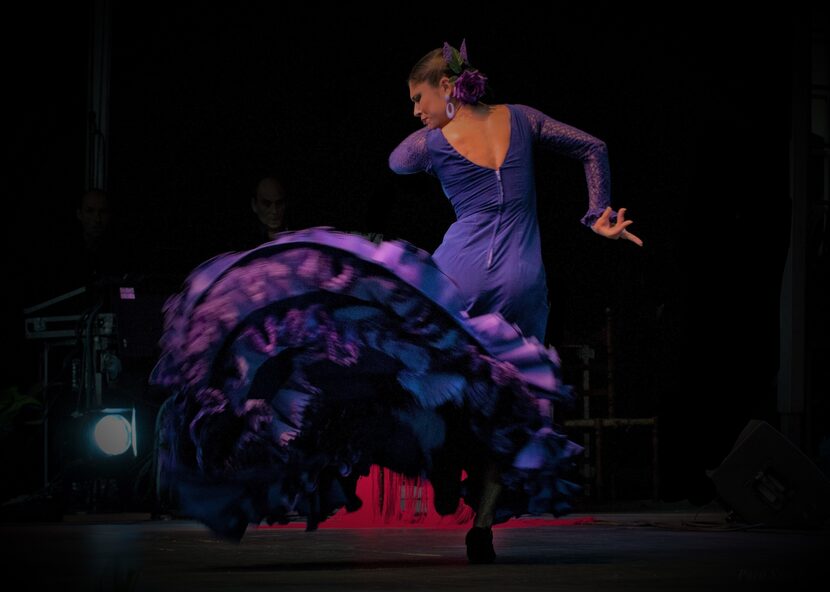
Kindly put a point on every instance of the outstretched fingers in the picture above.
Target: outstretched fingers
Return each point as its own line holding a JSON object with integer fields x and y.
{"x": 617, "y": 230}
{"x": 621, "y": 226}
{"x": 631, "y": 237}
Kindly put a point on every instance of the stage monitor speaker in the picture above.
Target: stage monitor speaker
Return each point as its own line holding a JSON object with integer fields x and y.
{"x": 765, "y": 479}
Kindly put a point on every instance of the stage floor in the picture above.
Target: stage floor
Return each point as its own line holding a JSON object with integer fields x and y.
{"x": 644, "y": 551}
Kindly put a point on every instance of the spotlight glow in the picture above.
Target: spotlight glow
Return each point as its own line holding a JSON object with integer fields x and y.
{"x": 113, "y": 434}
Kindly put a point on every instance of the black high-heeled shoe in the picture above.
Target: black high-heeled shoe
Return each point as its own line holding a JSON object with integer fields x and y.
{"x": 480, "y": 545}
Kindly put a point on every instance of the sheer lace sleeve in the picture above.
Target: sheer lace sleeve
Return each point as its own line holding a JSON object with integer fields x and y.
{"x": 567, "y": 140}
{"x": 411, "y": 155}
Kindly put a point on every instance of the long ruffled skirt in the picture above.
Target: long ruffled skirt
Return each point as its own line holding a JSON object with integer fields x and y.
{"x": 296, "y": 366}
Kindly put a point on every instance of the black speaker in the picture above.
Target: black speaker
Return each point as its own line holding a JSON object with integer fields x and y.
{"x": 765, "y": 479}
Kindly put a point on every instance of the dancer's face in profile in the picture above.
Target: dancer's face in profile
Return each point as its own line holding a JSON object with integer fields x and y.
{"x": 430, "y": 103}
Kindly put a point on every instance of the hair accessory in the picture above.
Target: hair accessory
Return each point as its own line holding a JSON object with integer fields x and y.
{"x": 469, "y": 83}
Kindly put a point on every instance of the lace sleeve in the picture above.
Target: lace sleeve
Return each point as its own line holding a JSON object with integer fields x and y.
{"x": 411, "y": 155}
{"x": 593, "y": 153}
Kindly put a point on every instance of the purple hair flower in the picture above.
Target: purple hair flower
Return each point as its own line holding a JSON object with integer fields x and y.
{"x": 469, "y": 86}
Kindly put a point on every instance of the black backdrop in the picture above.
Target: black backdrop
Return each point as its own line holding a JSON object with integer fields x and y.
{"x": 204, "y": 100}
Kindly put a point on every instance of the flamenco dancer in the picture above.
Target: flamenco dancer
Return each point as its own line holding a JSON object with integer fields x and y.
{"x": 297, "y": 365}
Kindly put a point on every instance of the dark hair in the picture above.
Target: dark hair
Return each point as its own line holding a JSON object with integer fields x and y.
{"x": 430, "y": 68}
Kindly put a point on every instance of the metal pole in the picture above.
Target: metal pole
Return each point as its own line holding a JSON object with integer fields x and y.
{"x": 791, "y": 384}
{"x": 98, "y": 93}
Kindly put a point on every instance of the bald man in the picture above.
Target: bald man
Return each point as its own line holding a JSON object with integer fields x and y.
{"x": 269, "y": 205}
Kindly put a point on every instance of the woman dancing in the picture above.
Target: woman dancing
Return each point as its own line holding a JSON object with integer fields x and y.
{"x": 297, "y": 365}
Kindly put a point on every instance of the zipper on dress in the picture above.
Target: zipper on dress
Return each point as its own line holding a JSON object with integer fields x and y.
{"x": 498, "y": 219}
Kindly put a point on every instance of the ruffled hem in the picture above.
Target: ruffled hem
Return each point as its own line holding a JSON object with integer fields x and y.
{"x": 297, "y": 365}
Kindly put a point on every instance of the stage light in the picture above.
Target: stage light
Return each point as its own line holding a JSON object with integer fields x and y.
{"x": 97, "y": 452}
{"x": 112, "y": 432}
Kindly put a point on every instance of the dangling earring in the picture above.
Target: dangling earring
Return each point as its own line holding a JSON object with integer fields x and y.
{"x": 450, "y": 108}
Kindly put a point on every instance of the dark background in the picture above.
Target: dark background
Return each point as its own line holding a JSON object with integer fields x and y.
{"x": 693, "y": 106}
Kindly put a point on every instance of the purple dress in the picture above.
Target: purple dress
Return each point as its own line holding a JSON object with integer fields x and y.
{"x": 296, "y": 366}
{"x": 493, "y": 251}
